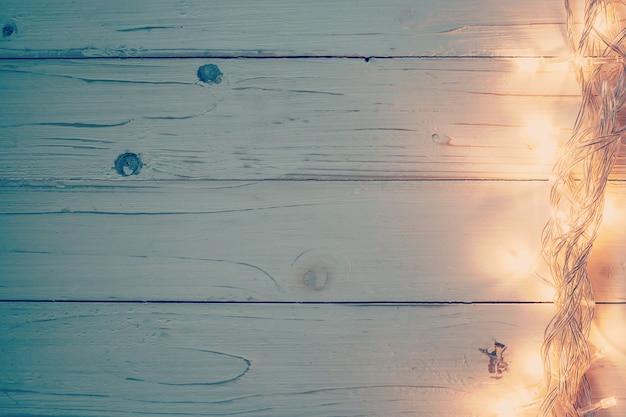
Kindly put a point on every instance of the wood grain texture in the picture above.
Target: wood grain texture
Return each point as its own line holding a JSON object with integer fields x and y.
{"x": 289, "y": 360}
{"x": 297, "y": 119}
{"x": 306, "y": 168}
{"x": 122, "y": 28}
{"x": 288, "y": 241}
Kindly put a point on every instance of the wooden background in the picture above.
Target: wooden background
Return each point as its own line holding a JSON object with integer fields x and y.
{"x": 339, "y": 203}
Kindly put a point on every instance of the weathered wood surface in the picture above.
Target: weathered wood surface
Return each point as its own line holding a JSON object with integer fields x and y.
{"x": 394, "y": 154}
{"x": 288, "y": 241}
{"x": 292, "y": 118}
{"x": 123, "y": 28}
{"x": 269, "y": 241}
{"x": 289, "y": 360}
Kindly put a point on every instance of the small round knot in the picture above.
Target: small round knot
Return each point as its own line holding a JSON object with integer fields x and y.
{"x": 210, "y": 74}
{"x": 128, "y": 164}
{"x": 9, "y": 28}
{"x": 316, "y": 277}
{"x": 316, "y": 270}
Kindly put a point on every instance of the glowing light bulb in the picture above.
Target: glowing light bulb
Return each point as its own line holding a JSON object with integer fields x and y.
{"x": 533, "y": 365}
{"x": 531, "y": 400}
{"x": 581, "y": 61}
{"x": 560, "y": 64}
{"x": 504, "y": 408}
{"x": 522, "y": 402}
{"x": 606, "y": 21}
{"x": 612, "y": 213}
{"x": 541, "y": 137}
{"x": 528, "y": 65}
{"x": 608, "y": 336}
{"x": 600, "y": 405}
{"x": 519, "y": 260}
{"x": 599, "y": 354}
{"x": 562, "y": 220}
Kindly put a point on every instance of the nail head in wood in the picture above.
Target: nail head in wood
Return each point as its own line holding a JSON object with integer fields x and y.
{"x": 128, "y": 164}
{"x": 210, "y": 74}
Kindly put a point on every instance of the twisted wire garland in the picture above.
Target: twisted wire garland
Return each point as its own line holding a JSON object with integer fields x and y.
{"x": 577, "y": 200}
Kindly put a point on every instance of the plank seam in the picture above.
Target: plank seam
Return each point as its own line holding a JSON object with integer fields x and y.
{"x": 354, "y": 303}
{"x": 274, "y": 57}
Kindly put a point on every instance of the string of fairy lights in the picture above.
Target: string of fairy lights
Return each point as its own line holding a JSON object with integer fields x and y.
{"x": 577, "y": 198}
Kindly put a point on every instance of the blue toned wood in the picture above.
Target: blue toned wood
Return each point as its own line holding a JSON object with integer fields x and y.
{"x": 288, "y": 241}
{"x": 275, "y": 176}
{"x": 268, "y": 28}
{"x": 292, "y": 118}
{"x": 275, "y": 241}
{"x": 277, "y": 360}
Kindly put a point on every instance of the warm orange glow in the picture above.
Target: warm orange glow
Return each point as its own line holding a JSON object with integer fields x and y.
{"x": 575, "y": 208}
{"x": 519, "y": 260}
{"x": 528, "y": 65}
{"x": 521, "y": 392}
{"x": 522, "y": 262}
{"x": 513, "y": 259}
{"x": 523, "y": 401}
{"x": 541, "y": 136}
{"x": 503, "y": 408}
{"x": 561, "y": 64}
{"x": 564, "y": 222}
{"x": 607, "y": 22}
{"x": 539, "y": 126}
{"x": 608, "y": 337}
{"x": 612, "y": 212}
{"x": 612, "y": 217}
{"x": 533, "y": 365}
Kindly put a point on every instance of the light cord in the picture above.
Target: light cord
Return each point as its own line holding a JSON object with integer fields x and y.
{"x": 577, "y": 199}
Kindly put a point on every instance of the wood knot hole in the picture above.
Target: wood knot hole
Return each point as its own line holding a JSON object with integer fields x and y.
{"x": 315, "y": 270}
{"x": 210, "y": 74}
{"x": 128, "y": 164}
{"x": 316, "y": 277}
{"x": 9, "y": 28}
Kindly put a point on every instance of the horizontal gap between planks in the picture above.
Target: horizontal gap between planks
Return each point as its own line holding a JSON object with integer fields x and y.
{"x": 124, "y": 183}
{"x": 78, "y": 183}
{"x": 357, "y": 57}
{"x": 353, "y": 303}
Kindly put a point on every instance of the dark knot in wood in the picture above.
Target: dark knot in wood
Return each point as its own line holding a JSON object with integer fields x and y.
{"x": 128, "y": 164}
{"x": 210, "y": 74}
{"x": 9, "y": 28}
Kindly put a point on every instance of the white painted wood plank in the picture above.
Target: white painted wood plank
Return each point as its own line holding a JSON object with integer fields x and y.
{"x": 287, "y": 241}
{"x": 122, "y": 28}
{"x": 289, "y": 360}
{"x": 300, "y": 118}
